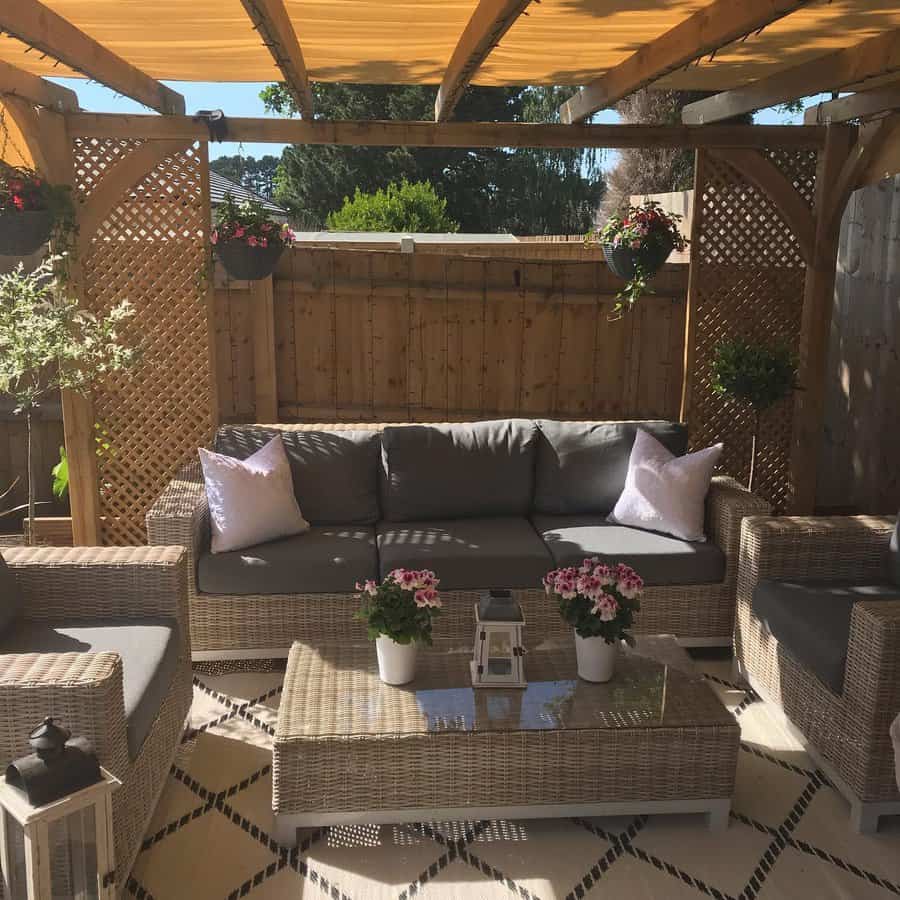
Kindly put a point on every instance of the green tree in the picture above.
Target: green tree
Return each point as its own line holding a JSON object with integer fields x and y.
{"x": 48, "y": 342}
{"x": 526, "y": 191}
{"x": 257, "y": 175}
{"x": 399, "y": 207}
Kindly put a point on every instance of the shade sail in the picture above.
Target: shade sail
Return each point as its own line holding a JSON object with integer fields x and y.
{"x": 411, "y": 41}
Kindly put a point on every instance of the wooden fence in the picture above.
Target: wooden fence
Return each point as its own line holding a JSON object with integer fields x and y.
{"x": 363, "y": 335}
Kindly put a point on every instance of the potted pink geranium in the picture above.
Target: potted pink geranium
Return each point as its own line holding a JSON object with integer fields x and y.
{"x": 599, "y": 602}
{"x": 247, "y": 241}
{"x": 399, "y": 614}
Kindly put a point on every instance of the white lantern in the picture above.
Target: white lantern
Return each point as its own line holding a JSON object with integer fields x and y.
{"x": 61, "y": 849}
{"x": 498, "y": 659}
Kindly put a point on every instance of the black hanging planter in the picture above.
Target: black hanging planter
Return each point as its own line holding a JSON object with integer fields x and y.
{"x": 21, "y": 233}
{"x": 623, "y": 261}
{"x": 246, "y": 263}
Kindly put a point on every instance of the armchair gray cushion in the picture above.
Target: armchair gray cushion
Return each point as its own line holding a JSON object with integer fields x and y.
{"x": 456, "y": 471}
{"x": 811, "y": 620}
{"x": 657, "y": 558}
{"x": 10, "y": 596}
{"x": 149, "y": 649}
{"x": 326, "y": 559}
{"x": 335, "y": 473}
{"x": 581, "y": 466}
{"x": 894, "y": 554}
{"x": 467, "y": 554}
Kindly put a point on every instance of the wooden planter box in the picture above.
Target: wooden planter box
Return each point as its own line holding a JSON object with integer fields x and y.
{"x": 55, "y": 531}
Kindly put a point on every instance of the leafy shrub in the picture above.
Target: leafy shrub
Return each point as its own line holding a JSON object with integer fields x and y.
{"x": 757, "y": 374}
{"x": 405, "y": 207}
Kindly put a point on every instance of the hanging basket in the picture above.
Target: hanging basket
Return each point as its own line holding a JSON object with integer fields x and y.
{"x": 246, "y": 263}
{"x": 21, "y": 233}
{"x": 623, "y": 261}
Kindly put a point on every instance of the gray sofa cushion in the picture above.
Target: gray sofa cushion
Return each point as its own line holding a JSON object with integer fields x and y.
{"x": 581, "y": 466}
{"x": 335, "y": 472}
{"x": 811, "y": 620}
{"x": 456, "y": 471}
{"x": 149, "y": 649}
{"x": 325, "y": 559}
{"x": 10, "y": 596}
{"x": 657, "y": 558}
{"x": 467, "y": 554}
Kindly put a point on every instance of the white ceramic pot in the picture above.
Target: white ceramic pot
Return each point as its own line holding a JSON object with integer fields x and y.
{"x": 396, "y": 662}
{"x": 596, "y": 658}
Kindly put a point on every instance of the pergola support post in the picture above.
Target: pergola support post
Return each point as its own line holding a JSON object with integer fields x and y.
{"x": 815, "y": 330}
{"x": 264, "y": 373}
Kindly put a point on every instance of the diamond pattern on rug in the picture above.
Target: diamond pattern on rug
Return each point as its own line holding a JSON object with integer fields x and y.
{"x": 211, "y": 835}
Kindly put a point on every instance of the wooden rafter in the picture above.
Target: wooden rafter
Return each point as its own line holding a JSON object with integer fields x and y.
{"x": 860, "y": 105}
{"x": 271, "y": 20}
{"x": 16, "y": 82}
{"x": 874, "y": 57}
{"x": 39, "y": 27}
{"x": 708, "y": 29}
{"x": 490, "y": 21}
{"x": 375, "y": 133}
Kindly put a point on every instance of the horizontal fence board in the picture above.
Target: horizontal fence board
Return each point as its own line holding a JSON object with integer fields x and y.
{"x": 381, "y": 335}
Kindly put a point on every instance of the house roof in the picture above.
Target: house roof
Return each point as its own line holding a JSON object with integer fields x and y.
{"x": 219, "y": 186}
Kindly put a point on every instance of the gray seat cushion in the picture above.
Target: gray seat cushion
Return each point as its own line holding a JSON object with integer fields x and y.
{"x": 149, "y": 649}
{"x": 657, "y": 558}
{"x": 811, "y": 620}
{"x": 10, "y": 596}
{"x": 335, "y": 473}
{"x": 581, "y": 466}
{"x": 467, "y": 554}
{"x": 894, "y": 554}
{"x": 469, "y": 470}
{"x": 326, "y": 559}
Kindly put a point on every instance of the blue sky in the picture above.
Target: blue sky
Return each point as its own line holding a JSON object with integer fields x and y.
{"x": 242, "y": 99}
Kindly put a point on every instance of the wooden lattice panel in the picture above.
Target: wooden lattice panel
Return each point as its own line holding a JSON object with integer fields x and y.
{"x": 151, "y": 250}
{"x": 748, "y": 283}
{"x": 94, "y": 157}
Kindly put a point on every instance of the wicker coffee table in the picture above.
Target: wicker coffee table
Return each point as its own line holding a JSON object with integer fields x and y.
{"x": 350, "y": 749}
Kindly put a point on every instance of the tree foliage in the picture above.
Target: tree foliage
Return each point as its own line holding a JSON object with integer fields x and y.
{"x": 399, "y": 207}
{"x": 757, "y": 374}
{"x": 526, "y": 191}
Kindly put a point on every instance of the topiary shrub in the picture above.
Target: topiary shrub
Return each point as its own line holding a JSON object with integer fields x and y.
{"x": 407, "y": 207}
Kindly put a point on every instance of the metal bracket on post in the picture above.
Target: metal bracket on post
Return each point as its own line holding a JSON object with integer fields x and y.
{"x": 216, "y": 123}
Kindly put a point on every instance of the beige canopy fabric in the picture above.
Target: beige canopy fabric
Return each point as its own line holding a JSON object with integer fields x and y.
{"x": 411, "y": 41}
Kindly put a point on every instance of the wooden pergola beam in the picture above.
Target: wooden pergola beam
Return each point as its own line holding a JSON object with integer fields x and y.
{"x": 860, "y": 105}
{"x": 39, "y": 27}
{"x": 708, "y": 29}
{"x": 16, "y": 82}
{"x": 375, "y": 133}
{"x": 876, "y": 56}
{"x": 271, "y": 20}
{"x": 489, "y": 22}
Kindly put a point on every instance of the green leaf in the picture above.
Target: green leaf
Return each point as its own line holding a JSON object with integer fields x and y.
{"x": 60, "y": 474}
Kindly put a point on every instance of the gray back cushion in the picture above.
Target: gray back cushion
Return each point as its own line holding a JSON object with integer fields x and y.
{"x": 335, "y": 472}
{"x": 10, "y": 596}
{"x": 581, "y": 466}
{"x": 458, "y": 471}
{"x": 894, "y": 558}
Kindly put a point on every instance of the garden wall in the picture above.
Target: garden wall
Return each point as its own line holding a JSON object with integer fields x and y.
{"x": 364, "y": 335}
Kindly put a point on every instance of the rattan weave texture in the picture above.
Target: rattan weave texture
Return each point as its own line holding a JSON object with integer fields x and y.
{"x": 84, "y": 690}
{"x": 346, "y": 742}
{"x": 850, "y": 730}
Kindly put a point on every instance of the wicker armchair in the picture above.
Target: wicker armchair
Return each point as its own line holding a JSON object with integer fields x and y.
{"x": 848, "y": 733}
{"x": 85, "y": 690}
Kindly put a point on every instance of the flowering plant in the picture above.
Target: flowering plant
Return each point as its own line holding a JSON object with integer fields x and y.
{"x": 597, "y": 600}
{"x": 402, "y": 606}
{"x": 23, "y": 190}
{"x": 249, "y": 223}
{"x": 651, "y": 234}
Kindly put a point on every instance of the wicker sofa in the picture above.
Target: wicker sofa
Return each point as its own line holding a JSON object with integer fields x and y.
{"x": 817, "y": 632}
{"x": 101, "y": 644}
{"x": 489, "y": 504}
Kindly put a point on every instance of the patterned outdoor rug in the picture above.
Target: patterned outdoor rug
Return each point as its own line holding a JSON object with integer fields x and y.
{"x": 788, "y": 838}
